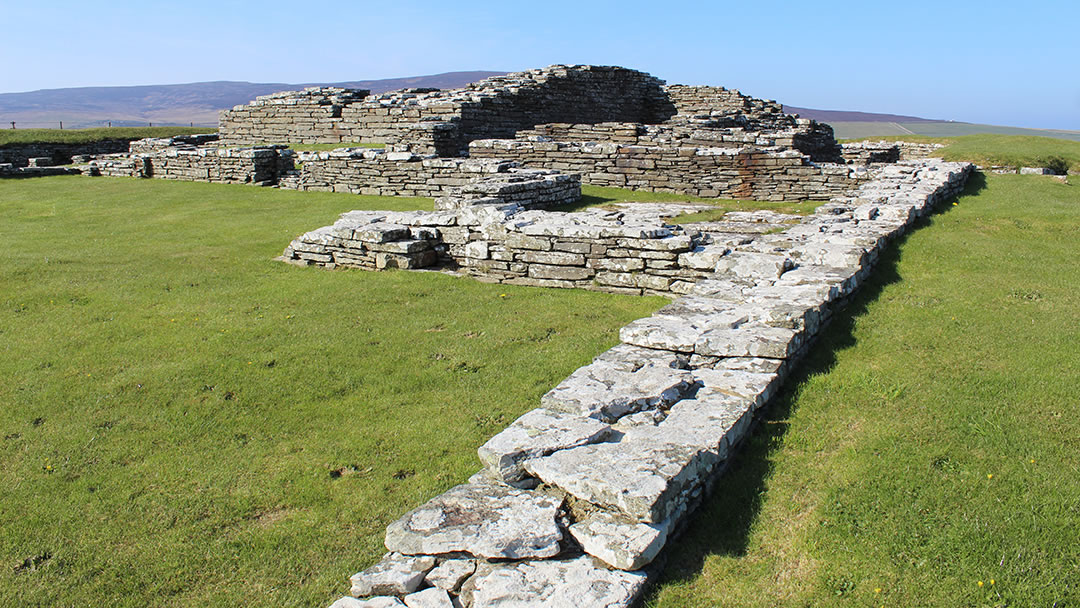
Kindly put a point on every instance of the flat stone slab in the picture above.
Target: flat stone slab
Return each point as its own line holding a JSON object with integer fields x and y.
{"x": 750, "y": 341}
{"x": 537, "y": 433}
{"x": 641, "y": 479}
{"x": 621, "y": 544}
{"x": 395, "y": 574}
{"x": 608, "y": 390}
{"x": 665, "y": 331}
{"x": 487, "y": 520}
{"x": 450, "y": 574}
{"x": 432, "y": 597}
{"x": 575, "y": 583}
{"x": 371, "y": 602}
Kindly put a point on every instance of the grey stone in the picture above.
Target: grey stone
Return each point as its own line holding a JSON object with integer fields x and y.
{"x": 484, "y": 520}
{"x": 537, "y": 433}
{"x": 607, "y": 391}
{"x": 395, "y": 574}
{"x": 621, "y": 544}
{"x": 750, "y": 341}
{"x": 642, "y": 479}
{"x": 577, "y": 583}
{"x": 432, "y": 597}
{"x": 371, "y": 602}
{"x": 450, "y": 574}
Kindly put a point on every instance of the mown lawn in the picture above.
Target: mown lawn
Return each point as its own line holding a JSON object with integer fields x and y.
{"x": 82, "y": 136}
{"x": 185, "y": 422}
{"x": 928, "y": 451}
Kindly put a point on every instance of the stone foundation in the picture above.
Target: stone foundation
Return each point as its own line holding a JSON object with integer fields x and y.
{"x": 259, "y": 166}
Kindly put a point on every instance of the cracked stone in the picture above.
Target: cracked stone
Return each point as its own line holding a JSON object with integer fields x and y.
{"x": 640, "y": 478}
{"x": 621, "y": 544}
{"x": 450, "y": 574}
{"x": 484, "y": 520}
{"x": 607, "y": 391}
{"x": 537, "y": 433}
{"x": 395, "y": 574}
{"x": 579, "y": 583}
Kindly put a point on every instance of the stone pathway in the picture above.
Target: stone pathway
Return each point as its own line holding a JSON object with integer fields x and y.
{"x": 577, "y": 496}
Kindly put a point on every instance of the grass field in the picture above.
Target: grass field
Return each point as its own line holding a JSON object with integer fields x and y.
{"x": 185, "y": 422}
{"x": 859, "y": 130}
{"x": 993, "y": 149}
{"x": 928, "y": 451}
{"x": 82, "y": 136}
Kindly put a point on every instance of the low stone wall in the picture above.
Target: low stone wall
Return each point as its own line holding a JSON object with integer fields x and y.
{"x": 156, "y": 144}
{"x": 745, "y": 173}
{"x": 867, "y": 152}
{"x": 618, "y": 252}
{"x": 19, "y": 155}
{"x": 259, "y": 166}
{"x": 622, "y": 450}
{"x": 377, "y": 172}
{"x": 310, "y": 116}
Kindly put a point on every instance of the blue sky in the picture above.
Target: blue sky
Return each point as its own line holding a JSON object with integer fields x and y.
{"x": 1006, "y": 63}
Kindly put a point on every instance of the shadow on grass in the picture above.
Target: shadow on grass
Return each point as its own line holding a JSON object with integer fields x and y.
{"x": 722, "y": 524}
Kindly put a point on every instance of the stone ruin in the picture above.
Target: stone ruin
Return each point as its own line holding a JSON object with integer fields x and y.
{"x": 578, "y": 497}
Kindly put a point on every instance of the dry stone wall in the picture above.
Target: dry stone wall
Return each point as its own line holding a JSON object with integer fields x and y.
{"x": 19, "y": 155}
{"x": 578, "y": 496}
{"x": 747, "y": 173}
{"x": 443, "y": 122}
{"x": 259, "y": 166}
{"x": 460, "y": 181}
{"x": 310, "y": 116}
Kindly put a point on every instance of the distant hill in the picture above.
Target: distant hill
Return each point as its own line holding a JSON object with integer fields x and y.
{"x": 177, "y": 104}
{"x": 198, "y": 104}
{"x": 831, "y": 116}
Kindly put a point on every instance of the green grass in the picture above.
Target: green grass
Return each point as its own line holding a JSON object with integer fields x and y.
{"x": 994, "y": 149}
{"x": 929, "y": 441}
{"x": 82, "y": 136}
{"x": 185, "y": 422}
{"x": 859, "y": 130}
{"x": 598, "y": 196}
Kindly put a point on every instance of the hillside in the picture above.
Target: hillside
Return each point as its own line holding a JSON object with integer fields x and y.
{"x": 193, "y": 103}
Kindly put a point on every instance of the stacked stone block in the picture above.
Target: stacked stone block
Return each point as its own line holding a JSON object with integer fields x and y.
{"x": 746, "y": 173}
{"x": 259, "y": 166}
{"x": 310, "y": 116}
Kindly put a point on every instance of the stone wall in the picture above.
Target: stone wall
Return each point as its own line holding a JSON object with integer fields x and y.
{"x": 310, "y": 116}
{"x": 745, "y": 173}
{"x": 381, "y": 173}
{"x": 719, "y": 103}
{"x": 443, "y": 122}
{"x": 259, "y": 166}
{"x": 19, "y": 155}
{"x": 578, "y": 496}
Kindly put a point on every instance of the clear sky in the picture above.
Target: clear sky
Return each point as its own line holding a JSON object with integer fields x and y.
{"x": 1006, "y": 63}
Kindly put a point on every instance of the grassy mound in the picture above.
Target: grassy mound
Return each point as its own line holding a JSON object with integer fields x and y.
{"x": 185, "y": 422}
{"x": 927, "y": 455}
{"x": 82, "y": 136}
